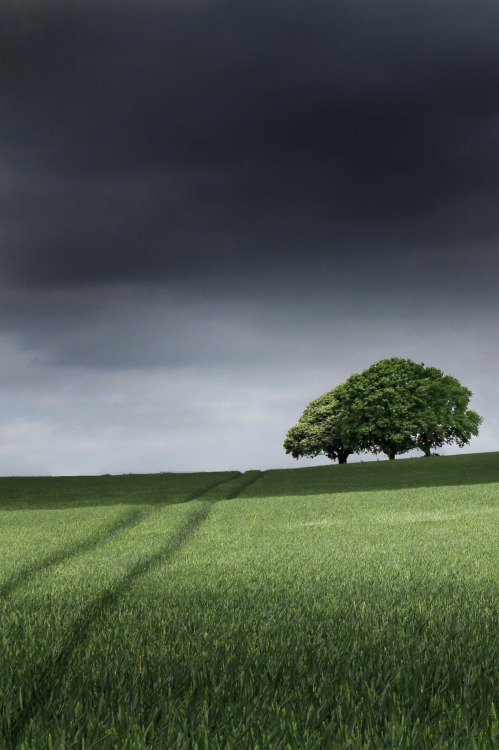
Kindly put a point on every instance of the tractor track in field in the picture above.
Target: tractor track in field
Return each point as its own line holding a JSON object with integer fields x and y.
{"x": 46, "y": 676}
{"x": 232, "y": 488}
{"x": 121, "y": 526}
{"x": 198, "y": 495}
{"x": 249, "y": 480}
{"x": 110, "y": 532}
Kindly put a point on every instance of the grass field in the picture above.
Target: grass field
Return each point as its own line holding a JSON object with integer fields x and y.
{"x": 332, "y": 607}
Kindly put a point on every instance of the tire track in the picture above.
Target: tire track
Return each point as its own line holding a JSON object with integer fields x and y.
{"x": 45, "y": 679}
{"x": 232, "y": 488}
{"x": 229, "y": 493}
{"x": 111, "y": 531}
{"x": 120, "y": 526}
{"x": 206, "y": 490}
{"x": 253, "y": 477}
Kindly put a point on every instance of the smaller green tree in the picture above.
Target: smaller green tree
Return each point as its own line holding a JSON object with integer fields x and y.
{"x": 323, "y": 428}
{"x": 445, "y": 417}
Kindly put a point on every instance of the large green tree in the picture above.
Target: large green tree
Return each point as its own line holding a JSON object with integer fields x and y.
{"x": 391, "y": 407}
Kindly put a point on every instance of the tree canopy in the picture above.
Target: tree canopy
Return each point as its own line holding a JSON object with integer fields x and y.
{"x": 393, "y": 406}
{"x": 323, "y": 428}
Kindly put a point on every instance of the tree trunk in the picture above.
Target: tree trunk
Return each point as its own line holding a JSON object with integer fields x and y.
{"x": 342, "y": 456}
{"x": 391, "y": 456}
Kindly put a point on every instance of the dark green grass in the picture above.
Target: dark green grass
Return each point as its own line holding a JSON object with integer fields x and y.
{"x": 439, "y": 471}
{"x": 29, "y": 493}
{"x": 362, "y": 620}
{"x": 351, "y": 620}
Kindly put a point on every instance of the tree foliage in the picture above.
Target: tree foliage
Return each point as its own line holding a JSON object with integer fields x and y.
{"x": 322, "y": 429}
{"x": 393, "y": 406}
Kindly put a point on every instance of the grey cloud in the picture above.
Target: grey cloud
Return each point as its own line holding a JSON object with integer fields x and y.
{"x": 87, "y": 419}
{"x": 146, "y": 327}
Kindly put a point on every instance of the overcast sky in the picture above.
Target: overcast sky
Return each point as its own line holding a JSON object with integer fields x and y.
{"x": 213, "y": 212}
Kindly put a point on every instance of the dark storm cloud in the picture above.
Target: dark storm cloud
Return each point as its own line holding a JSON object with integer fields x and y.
{"x": 183, "y": 141}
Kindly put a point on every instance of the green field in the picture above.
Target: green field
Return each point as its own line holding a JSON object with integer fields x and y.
{"x": 332, "y": 607}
